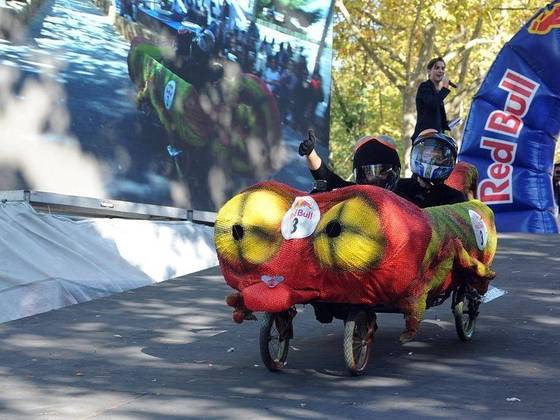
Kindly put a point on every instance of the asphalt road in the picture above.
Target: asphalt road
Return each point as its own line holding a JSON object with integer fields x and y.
{"x": 171, "y": 351}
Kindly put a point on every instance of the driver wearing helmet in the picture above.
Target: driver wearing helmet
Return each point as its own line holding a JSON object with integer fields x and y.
{"x": 432, "y": 160}
{"x": 196, "y": 67}
{"x": 375, "y": 162}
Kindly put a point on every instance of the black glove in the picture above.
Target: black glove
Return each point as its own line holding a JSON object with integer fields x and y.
{"x": 307, "y": 145}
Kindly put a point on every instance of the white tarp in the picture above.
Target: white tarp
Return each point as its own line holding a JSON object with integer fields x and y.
{"x": 49, "y": 261}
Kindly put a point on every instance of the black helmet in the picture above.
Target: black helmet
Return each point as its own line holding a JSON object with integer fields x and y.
{"x": 433, "y": 156}
{"x": 376, "y": 162}
{"x": 205, "y": 41}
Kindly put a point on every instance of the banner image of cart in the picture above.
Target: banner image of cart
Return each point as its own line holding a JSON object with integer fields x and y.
{"x": 226, "y": 113}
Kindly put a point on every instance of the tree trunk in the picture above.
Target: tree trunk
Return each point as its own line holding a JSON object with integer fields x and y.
{"x": 407, "y": 124}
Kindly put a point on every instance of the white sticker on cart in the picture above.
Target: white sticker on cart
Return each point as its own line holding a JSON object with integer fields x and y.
{"x": 492, "y": 293}
{"x": 301, "y": 219}
{"x": 480, "y": 230}
{"x": 169, "y": 94}
{"x": 272, "y": 281}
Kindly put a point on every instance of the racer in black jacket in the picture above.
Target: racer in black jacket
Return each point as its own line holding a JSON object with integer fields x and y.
{"x": 376, "y": 162}
{"x": 432, "y": 160}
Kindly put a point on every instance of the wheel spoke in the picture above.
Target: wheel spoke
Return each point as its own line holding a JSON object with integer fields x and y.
{"x": 274, "y": 345}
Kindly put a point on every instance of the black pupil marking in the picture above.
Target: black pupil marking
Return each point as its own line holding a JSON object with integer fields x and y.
{"x": 237, "y": 232}
{"x": 333, "y": 229}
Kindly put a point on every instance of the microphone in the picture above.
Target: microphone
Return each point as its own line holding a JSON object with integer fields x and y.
{"x": 453, "y": 85}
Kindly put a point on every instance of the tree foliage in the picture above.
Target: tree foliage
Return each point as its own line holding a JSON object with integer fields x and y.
{"x": 382, "y": 49}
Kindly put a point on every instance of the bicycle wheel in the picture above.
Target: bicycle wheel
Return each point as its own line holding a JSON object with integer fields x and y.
{"x": 358, "y": 339}
{"x": 465, "y": 311}
{"x": 274, "y": 339}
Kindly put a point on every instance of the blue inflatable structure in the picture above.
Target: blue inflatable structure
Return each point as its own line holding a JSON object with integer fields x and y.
{"x": 513, "y": 124}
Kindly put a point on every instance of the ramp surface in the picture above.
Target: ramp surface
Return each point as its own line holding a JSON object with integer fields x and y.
{"x": 48, "y": 261}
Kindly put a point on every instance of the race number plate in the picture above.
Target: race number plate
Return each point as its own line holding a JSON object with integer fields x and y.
{"x": 480, "y": 230}
{"x": 169, "y": 94}
{"x": 301, "y": 219}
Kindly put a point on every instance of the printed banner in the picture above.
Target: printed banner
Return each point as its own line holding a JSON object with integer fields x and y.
{"x": 214, "y": 96}
{"x": 512, "y": 127}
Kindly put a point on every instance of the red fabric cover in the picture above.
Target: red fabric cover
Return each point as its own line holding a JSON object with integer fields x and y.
{"x": 260, "y": 297}
{"x": 464, "y": 178}
{"x": 388, "y": 251}
{"x": 406, "y": 231}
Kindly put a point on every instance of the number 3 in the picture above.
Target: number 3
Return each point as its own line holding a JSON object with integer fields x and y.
{"x": 294, "y": 227}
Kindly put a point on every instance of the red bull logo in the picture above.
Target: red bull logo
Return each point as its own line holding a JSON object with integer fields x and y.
{"x": 546, "y": 21}
{"x": 301, "y": 219}
{"x": 497, "y": 188}
{"x": 301, "y": 202}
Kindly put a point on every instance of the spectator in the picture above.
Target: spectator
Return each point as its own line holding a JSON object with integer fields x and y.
{"x": 260, "y": 61}
{"x": 287, "y": 85}
{"x": 315, "y": 95}
{"x": 430, "y": 109}
{"x": 272, "y": 76}
{"x": 225, "y": 10}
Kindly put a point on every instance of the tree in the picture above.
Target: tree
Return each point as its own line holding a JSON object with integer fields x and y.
{"x": 383, "y": 47}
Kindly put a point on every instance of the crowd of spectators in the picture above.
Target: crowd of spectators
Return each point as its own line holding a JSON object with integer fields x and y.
{"x": 283, "y": 67}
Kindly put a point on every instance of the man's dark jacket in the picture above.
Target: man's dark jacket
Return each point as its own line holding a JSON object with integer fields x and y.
{"x": 430, "y": 109}
{"x": 408, "y": 188}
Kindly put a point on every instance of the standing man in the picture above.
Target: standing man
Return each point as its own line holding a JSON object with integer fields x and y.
{"x": 430, "y": 109}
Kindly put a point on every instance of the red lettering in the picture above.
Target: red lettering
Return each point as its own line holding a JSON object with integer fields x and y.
{"x": 302, "y": 213}
{"x": 500, "y": 122}
{"x": 491, "y": 192}
{"x": 520, "y": 110}
{"x": 521, "y": 80}
{"x": 502, "y": 151}
{"x": 506, "y": 84}
{"x": 521, "y": 92}
{"x": 497, "y": 189}
{"x": 499, "y": 171}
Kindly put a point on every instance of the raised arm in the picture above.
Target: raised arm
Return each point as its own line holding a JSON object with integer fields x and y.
{"x": 307, "y": 149}
{"x": 426, "y": 97}
{"x": 318, "y": 169}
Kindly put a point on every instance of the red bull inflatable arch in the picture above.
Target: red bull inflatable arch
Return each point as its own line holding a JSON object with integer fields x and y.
{"x": 513, "y": 124}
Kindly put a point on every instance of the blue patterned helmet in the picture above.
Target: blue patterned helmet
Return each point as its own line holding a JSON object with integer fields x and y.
{"x": 433, "y": 156}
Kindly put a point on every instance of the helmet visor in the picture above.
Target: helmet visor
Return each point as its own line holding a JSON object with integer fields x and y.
{"x": 432, "y": 159}
{"x": 384, "y": 175}
{"x": 434, "y": 154}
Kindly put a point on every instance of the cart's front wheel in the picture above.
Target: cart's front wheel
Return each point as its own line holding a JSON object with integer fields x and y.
{"x": 466, "y": 302}
{"x": 359, "y": 328}
{"x": 274, "y": 339}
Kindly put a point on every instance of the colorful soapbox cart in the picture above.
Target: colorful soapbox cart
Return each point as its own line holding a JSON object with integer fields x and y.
{"x": 350, "y": 253}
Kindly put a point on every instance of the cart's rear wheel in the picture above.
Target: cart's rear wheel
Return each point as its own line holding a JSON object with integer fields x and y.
{"x": 465, "y": 311}
{"x": 274, "y": 339}
{"x": 359, "y": 328}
